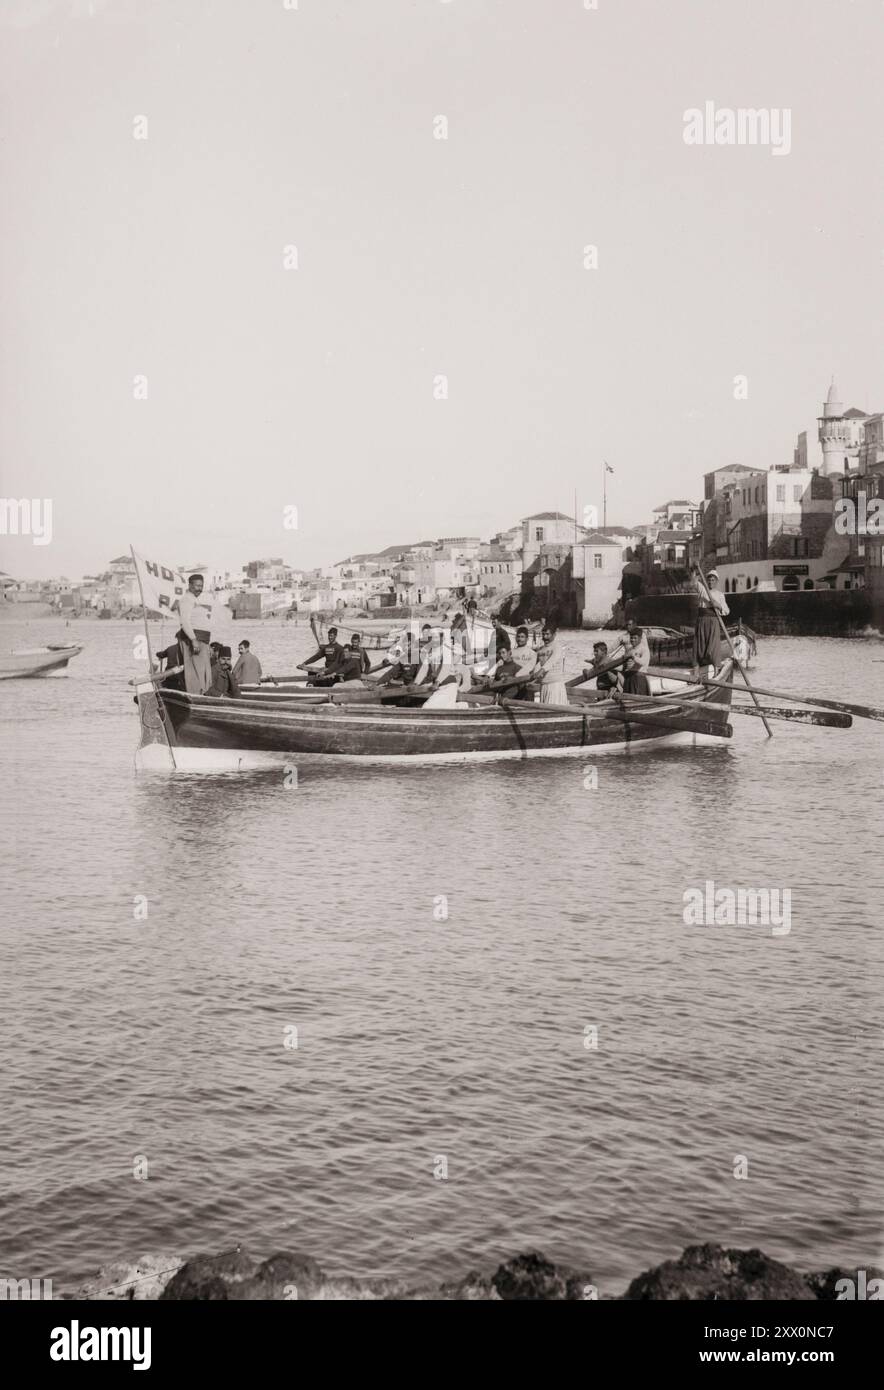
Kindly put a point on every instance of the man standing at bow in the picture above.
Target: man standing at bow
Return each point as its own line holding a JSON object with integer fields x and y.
{"x": 193, "y": 637}
{"x": 711, "y": 613}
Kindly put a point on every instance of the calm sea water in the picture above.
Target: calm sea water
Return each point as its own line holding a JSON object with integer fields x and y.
{"x": 422, "y": 1038}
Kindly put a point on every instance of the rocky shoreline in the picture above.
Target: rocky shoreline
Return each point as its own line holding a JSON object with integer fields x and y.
{"x": 701, "y": 1273}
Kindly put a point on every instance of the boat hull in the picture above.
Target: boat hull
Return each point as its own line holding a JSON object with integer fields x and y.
{"x": 40, "y": 661}
{"x": 203, "y": 731}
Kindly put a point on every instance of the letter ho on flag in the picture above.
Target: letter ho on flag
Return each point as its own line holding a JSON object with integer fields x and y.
{"x": 161, "y": 585}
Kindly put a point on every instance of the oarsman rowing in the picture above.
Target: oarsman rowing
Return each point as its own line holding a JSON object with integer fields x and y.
{"x": 193, "y": 637}
{"x": 638, "y": 656}
{"x": 357, "y": 648}
{"x": 333, "y": 654}
{"x": 517, "y": 664}
{"x": 350, "y": 668}
{"x": 711, "y": 612}
{"x": 550, "y": 669}
{"x": 608, "y": 680}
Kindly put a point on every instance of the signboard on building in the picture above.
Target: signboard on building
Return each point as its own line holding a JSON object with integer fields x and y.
{"x": 791, "y": 569}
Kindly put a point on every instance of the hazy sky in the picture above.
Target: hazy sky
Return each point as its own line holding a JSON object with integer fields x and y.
{"x": 314, "y": 127}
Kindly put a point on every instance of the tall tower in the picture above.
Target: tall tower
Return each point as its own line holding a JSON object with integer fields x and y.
{"x": 833, "y": 433}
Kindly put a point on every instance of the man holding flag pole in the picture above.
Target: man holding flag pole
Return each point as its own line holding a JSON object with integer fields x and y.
{"x": 193, "y": 637}
{"x": 163, "y": 590}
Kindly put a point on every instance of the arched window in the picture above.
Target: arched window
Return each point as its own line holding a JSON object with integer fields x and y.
{"x": 808, "y": 583}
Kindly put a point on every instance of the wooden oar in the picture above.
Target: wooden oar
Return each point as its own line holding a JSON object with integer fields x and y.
{"x": 795, "y": 716}
{"x": 504, "y": 683}
{"x": 727, "y": 637}
{"x": 859, "y": 711}
{"x": 156, "y": 676}
{"x": 594, "y": 671}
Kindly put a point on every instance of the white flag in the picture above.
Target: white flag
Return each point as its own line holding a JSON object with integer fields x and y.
{"x": 163, "y": 586}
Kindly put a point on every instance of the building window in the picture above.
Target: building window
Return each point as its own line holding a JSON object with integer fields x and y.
{"x": 538, "y": 533}
{"x": 596, "y": 562}
{"x": 796, "y": 493}
{"x": 781, "y": 492}
{"x": 757, "y": 495}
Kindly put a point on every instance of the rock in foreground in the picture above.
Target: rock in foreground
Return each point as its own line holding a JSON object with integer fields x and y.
{"x": 706, "y": 1272}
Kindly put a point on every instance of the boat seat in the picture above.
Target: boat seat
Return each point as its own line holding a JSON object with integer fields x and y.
{"x": 443, "y": 698}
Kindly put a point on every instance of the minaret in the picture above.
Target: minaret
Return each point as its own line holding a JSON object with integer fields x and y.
{"x": 833, "y": 433}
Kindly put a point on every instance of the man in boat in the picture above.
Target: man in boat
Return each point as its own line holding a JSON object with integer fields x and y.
{"x": 332, "y": 652}
{"x": 461, "y": 652}
{"x": 168, "y": 658}
{"x": 364, "y": 658}
{"x": 350, "y": 669}
{"x": 193, "y": 637}
{"x": 635, "y": 682}
{"x": 501, "y": 640}
{"x": 405, "y": 665}
{"x": 711, "y": 613}
{"x": 636, "y": 638}
{"x": 247, "y": 670}
{"x": 224, "y": 683}
{"x": 520, "y": 663}
{"x": 437, "y": 660}
{"x": 551, "y": 668}
{"x": 608, "y": 680}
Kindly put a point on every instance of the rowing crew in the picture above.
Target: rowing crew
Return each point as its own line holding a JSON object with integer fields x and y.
{"x": 432, "y": 660}
{"x": 622, "y": 670}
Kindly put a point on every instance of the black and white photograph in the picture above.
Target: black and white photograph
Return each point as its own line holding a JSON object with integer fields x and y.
{"x": 441, "y": 673}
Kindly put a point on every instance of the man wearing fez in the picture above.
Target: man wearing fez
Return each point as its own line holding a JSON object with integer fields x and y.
{"x": 193, "y": 637}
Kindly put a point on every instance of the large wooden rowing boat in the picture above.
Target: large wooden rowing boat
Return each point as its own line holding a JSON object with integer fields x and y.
{"x": 37, "y": 661}
{"x": 202, "y": 731}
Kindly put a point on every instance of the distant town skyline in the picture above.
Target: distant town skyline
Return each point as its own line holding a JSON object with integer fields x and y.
{"x": 423, "y": 270}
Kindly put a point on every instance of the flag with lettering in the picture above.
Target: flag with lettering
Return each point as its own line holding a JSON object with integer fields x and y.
{"x": 162, "y": 586}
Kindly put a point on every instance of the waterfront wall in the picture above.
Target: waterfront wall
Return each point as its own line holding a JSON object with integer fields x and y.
{"x": 817, "y": 613}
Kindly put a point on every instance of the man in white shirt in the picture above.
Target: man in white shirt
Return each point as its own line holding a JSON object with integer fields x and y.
{"x": 193, "y": 637}
{"x": 711, "y": 612}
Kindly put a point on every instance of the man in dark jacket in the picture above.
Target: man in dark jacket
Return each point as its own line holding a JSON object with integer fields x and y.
{"x": 224, "y": 683}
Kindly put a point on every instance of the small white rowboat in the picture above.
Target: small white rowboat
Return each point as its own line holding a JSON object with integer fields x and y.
{"x": 36, "y": 661}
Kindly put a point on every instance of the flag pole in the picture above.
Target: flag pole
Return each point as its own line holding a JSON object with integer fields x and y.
{"x": 151, "y": 672}
{"x": 150, "y": 662}
{"x": 604, "y": 492}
